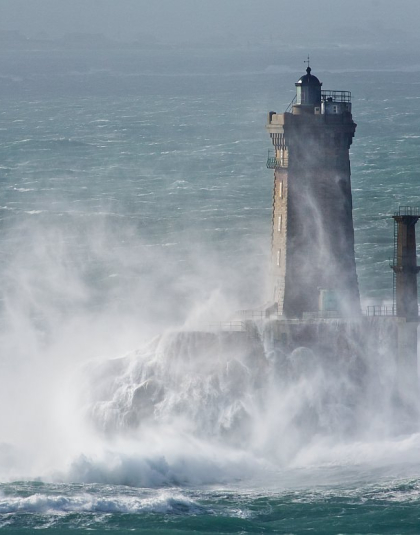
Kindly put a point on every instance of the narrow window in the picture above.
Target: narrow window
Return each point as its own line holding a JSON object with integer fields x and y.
{"x": 278, "y": 257}
{"x": 281, "y": 189}
{"x": 279, "y": 224}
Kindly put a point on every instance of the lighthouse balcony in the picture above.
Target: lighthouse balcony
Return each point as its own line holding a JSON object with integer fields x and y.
{"x": 335, "y": 102}
{"x": 336, "y": 96}
{"x": 329, "y": 102}
{"x": 410, "y": 211}
{"x": 275, "y": 161}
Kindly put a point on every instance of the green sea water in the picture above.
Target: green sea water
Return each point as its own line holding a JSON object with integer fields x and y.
{"x": 388, "y": 507}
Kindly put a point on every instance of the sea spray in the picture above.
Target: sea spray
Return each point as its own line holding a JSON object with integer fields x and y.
{"x": 202, "y": 407}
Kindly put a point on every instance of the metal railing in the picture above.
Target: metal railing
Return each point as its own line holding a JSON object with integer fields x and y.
{"x": 273, "y": 162}
{"x": 331, "y": 95}
{"x": 408, "y": 210}
{"x": 381, "y": 310}
{"x": 322, "y": 314}
{"x": 290, "y": 106}
{"x": 336, "y": 96}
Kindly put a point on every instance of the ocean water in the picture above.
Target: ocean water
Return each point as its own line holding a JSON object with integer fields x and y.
{"x": 135, "y": 211}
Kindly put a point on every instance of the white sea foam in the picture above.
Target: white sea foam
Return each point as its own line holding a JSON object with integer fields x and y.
{"x": 163, "y": 502}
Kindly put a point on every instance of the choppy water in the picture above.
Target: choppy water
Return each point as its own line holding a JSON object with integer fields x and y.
{"x": 386, "y": 508}
{"x": 134, "y": 199}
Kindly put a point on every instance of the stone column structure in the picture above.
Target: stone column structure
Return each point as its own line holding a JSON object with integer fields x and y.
{"x": 406, "y": 301}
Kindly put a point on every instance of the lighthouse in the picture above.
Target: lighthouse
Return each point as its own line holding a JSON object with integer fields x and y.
{"x": 313, "y": 269}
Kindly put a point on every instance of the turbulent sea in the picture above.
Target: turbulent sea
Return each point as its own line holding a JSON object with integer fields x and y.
{"x": 135, "y": 213}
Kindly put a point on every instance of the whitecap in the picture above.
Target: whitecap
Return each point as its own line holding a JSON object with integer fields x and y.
{"x": 163, "y": 502}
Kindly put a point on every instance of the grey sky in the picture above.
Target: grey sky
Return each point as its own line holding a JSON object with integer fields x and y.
{"x": 195, "y": 20}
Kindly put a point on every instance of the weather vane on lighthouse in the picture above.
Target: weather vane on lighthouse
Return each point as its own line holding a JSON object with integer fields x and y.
{"x": 307, "y": 61}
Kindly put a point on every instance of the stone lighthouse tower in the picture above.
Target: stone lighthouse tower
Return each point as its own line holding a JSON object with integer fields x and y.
{"x": 313, "y": 268}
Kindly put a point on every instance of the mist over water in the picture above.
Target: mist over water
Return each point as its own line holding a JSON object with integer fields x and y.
{"x": 135, "y": 213}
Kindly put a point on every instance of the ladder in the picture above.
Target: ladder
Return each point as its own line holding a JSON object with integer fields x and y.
{"x": 394, "y": 275}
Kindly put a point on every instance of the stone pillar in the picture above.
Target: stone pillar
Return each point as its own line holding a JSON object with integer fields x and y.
{"x": 406, "y": 302}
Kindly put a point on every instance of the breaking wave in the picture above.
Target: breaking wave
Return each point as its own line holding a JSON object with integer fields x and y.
{"x": 164, "y": 502}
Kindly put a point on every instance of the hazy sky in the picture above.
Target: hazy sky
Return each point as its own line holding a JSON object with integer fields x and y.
{"x": 195, "y": 20}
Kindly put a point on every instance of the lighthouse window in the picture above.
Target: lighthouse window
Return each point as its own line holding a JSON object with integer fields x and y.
{"x": 281, "y": 189}
{"x": 279, "y": 224}
{"x": 335, "y": 109}
{"x": 278, "y": 257}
